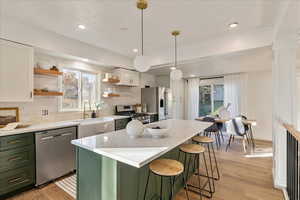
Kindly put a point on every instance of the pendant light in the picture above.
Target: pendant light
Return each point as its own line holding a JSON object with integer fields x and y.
{"x": 176, "y": 74}
{"x": 142, "y": 63}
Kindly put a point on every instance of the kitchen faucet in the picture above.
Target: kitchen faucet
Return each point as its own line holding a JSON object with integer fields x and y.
{"x": 84, "y": 111}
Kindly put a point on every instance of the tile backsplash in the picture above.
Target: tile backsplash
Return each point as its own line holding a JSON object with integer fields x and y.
{"x": 46, "y": 109}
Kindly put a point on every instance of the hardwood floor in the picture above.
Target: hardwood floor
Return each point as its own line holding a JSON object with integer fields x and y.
{"x": 242, "y": 178}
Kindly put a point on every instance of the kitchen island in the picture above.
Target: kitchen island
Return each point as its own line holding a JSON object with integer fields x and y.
{"x": 114, "y": 166}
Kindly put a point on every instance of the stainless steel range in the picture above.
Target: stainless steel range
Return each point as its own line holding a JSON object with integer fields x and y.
{"x": 128, "y": 110}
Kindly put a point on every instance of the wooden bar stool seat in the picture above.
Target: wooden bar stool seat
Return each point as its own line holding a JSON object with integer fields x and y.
{"x": 192, "y": 148}
{"x": 166, "y": 167}
{"x": 203, "y": 139}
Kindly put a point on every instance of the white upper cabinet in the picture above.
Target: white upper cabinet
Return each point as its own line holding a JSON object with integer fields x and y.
{"x": 128, "y": 77}
{"x": 16, "y": 72}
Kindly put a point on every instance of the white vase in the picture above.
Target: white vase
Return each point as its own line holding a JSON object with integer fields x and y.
{"x": 135, "y": 129}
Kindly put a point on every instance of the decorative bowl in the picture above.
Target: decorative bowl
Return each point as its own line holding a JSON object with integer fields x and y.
{"x": 135, "y": 129}
{"x": 158, "y": 132}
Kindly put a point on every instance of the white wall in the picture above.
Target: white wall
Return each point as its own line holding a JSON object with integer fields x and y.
{"x": 147, "y": 80}
{"x": 259, "y": 103}
{"x": 31, "y": 111}
{"x": 163, "y": 81}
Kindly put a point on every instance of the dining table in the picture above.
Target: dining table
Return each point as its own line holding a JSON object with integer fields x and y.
{"x": 249, "y": 122}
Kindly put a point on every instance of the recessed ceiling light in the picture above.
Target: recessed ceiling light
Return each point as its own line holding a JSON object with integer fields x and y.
{"x": 85, "y": 59}
{"x": 172, "y": 68}
{"x": 135, "y": 50}
{"x": 82, "y": 27}
{"x": 192, "y": 75}
{"x": 233, "y": 25}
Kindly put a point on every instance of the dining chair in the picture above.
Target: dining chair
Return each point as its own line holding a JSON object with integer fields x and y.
{"x": 224, "y": 113}
{"x": 248, "y": 130}
{"x": 235, "y": 128}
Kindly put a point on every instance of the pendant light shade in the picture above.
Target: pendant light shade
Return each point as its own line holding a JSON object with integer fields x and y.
{"x": 142, "y": 63}
{"x": 176, "y": 74}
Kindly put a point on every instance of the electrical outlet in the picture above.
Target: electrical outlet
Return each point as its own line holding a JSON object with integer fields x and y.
{"x": 44, "y": 113}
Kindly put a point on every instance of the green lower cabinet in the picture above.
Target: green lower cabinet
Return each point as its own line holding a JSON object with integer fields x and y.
{"x": 102, "y": 178}
{"x": 16, "y": 141}
{"x": 17, "y": 163}
{"x": 16, "y": 158}
{"x": 16, "y": 179}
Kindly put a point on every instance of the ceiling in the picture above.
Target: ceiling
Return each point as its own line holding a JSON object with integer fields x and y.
{"x": 115, "y": 24}
{"x": 257, "y": 59}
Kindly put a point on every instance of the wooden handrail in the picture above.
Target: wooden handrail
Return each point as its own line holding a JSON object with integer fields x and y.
{"x": 295, "y": 133}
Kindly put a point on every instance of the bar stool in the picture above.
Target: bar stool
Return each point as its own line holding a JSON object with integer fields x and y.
{"x": 195, "y": 150}
{"x": 214, "y": 129}
{"x": 166, "y": 168}
{"x": 210, "y": 147}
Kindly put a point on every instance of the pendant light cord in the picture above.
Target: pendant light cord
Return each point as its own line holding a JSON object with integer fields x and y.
{"x": 175, "y": 51}
{"x": 142, "y": 27}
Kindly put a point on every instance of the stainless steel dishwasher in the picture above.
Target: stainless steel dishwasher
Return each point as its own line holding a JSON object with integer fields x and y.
{"x": 55, "y": 155}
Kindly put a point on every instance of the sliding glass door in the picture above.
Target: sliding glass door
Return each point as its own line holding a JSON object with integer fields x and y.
{"x": 205, "y": 103}
{"x": 211, "y": 96}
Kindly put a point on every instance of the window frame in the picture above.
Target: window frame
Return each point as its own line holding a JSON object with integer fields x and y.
{"x": 80, "y": 103}
{"x": 211, "y": 82}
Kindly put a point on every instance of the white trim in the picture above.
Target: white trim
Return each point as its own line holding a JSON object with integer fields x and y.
{"x": 285, "y": 194}
{"x": 279, "y": 186}
{"x": 80, "y": 103}
{"x": 284, "y": 191}
{"x": 211, "y": 83}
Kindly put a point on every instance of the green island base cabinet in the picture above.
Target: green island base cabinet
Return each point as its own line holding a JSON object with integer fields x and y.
{"x": 102, "y": 178}
{"x": 17, "y": 163}
{"x": 115, "y": 166}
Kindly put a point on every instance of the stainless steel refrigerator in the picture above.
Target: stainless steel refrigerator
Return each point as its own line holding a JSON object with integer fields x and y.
{"x": 158, "y": 100}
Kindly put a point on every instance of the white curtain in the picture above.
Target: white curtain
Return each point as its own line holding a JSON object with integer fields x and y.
{"x": 177, "y": 88}
{"x": 235, "y": 93}
{"x": 192, "y": 98}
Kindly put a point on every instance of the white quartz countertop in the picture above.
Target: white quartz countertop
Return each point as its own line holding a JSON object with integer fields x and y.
{"x": 140, "y": 151}
{"x": 60, "y": 124}
{"x": 115, "y": 117}
{"x": 39, "y": 127}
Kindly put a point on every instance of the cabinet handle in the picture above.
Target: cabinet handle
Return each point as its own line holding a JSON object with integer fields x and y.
{"x": 14, "y": 142}
{"x": 31, "y": 95}
{"x": 66, "y": 134}
{"x": 14, "y": 158}
{"x": 47, "y": 138}
{"x": 15, "y": 180}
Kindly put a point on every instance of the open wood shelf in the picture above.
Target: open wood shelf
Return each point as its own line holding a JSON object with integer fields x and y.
{"x": 40, "y": 93}
{"x": 111, "y": 80}
{"x": 47, "y": 72}
{"x": 110, "y": 95}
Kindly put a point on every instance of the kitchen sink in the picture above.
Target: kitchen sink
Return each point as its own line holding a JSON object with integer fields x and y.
{"x": 95, "y": 126}
{"x": 94, "y": 120}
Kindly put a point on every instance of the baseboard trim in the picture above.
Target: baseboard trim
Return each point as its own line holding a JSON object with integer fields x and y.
{"x": 285, "y": 194}
{"x": 283, "y": 189}
{"x": 280, "y": 187}
{"x": 262, "y": 140}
